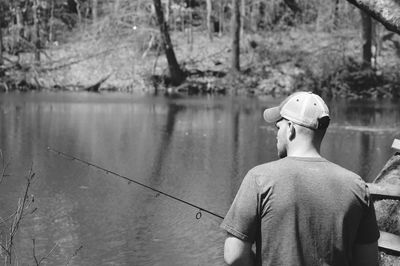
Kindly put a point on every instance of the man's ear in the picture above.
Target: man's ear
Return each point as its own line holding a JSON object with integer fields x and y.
{"x": 291, "y": 131}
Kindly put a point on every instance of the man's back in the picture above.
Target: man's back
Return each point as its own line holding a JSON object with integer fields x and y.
{"x": 309, "y": 212}
{"x": 301, "y": 210}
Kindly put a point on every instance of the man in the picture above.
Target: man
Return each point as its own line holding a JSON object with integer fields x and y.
{"x": 301, "y": 210}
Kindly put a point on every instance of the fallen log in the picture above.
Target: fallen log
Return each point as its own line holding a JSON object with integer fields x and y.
{"x": 96, "y": 87}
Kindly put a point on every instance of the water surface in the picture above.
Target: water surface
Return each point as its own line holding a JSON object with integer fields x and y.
{"x": 197, "y": 149}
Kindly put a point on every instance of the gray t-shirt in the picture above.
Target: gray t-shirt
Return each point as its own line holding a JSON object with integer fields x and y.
{"x": 302, "y": 211}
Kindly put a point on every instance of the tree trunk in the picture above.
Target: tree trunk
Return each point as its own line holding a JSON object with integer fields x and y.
{"x": 318, "y": 19}
{"x": 1, "y": 36}
{"x": 94, "y": 10}
{"x": 51, "y": 26}
{"x": 1, "y": 47}
{"x": 116, "y": 7}
{"x": 385, "y": 11}
{"x": 176, "y": 74}
{"x": 19, "y": 20}
{"x": 221, "y": 18}
{"x": 78, "y": 11}
{"x": 190, "y": 40}
{"x": 254, "y": 14}
{"x": 376, "y": 43}
{"x": 209, "y": 25}
{"x": 37, "y": 31}
{"x": 167, "y": 10}
{"x": 366, "y": 36}
{"x": 242, "y": 16}
{"x": 235, "y": 67}
{"x": 336, "y": 15}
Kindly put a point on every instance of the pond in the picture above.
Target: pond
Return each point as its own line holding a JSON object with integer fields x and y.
{"x": 195, "y": 148}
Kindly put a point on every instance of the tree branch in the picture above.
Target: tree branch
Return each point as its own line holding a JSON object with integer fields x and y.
{"x": 385, "y": 11}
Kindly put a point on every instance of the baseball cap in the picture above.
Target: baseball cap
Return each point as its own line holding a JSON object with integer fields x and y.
{"x": 303, "y": 108}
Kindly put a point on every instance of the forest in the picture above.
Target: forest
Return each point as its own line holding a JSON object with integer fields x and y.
{"x": 335, "y": 48}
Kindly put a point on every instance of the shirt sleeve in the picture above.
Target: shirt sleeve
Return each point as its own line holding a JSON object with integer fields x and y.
{"x": 241, "y": 219}
{"x": 368, "y": 231}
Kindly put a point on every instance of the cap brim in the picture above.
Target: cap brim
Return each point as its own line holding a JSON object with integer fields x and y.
{"x": 272, "y": 115}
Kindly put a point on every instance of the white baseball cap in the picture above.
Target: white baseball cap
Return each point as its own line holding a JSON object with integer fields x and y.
{"x": 303, "y": 108}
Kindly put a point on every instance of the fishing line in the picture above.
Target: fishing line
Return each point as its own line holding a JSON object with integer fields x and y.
{"x": 159, "y": 192}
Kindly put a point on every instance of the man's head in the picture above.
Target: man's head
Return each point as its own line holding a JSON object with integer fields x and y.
{"x": 301, "y": 119}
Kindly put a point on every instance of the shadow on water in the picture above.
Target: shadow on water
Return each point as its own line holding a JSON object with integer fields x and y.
{"x": 365, "y": 140}
{"x": 235, "y": 141}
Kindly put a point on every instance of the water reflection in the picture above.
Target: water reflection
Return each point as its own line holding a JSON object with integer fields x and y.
{"x": 163, "y": 150}
{"x": 197, "y": 149}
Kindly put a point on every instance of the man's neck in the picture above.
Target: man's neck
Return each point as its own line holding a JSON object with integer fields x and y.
{"x": 303, "y": 150}
{"x": 304, "y": 154}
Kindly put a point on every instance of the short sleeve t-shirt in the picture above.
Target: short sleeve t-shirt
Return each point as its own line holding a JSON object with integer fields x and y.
{"x": 302, "y": 211}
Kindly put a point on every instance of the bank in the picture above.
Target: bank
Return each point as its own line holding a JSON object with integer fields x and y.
{"x": 272, "y": 63}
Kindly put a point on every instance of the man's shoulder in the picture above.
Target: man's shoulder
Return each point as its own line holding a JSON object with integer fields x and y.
{"x": 344, "y": 172}
{"x": 268, "y": 172}
{"x": 349, "y": 180}
{"x": 287, "y": 165}
{"x": 267, "y": 167}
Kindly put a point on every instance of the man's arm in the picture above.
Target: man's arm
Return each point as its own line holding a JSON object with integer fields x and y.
{"x": 238, "y": 252}
{"x": 366, "y": 254}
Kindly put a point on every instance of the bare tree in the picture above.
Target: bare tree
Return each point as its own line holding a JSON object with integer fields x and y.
{"x": 235, "y": 64}
{"x": 24, "y": 206}
{"x": 176, "y": 74}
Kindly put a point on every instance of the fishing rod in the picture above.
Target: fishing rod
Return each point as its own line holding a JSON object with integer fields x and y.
{"x": 200, "y": 209}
